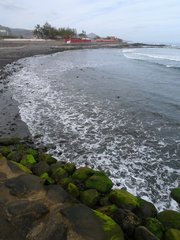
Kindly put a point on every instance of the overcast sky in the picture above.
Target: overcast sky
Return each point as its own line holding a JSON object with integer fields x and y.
{"x": 136, "y": 20}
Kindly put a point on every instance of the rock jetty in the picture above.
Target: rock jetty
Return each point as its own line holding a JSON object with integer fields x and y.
{"x": 45, "y": 199}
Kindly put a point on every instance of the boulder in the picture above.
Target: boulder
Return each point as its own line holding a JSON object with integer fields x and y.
{"x": 145, "y": 209}
{"x": 108, "y": 210}
{"x": 100, "y": 182}
{"x": 172, "y": 234}
{"x": 69, "y": 168}
{"x": 155, "y": 226}
{"x": 19, "y": 166}
{"x": 5, "y": 151}
{"x": 142, "y": 233}
{"x": 73, "y": 190}
{"x": 127, "y": 220}
{"x": 47, "y": 179}
{"x": 28, "y": 160}
{"x": 175, "y": 194}
{"x": 40, "y": 168}
{"x": 59, "y": 173}
{"x": 47, "y": 158}
{"x": 83, "y": 173}
{"x": 124, "y": 199}
{"x": 89, "y": 197}
{"x": 169, "y": 219}
{"x": 15, "y": 156}
{"x": 9, "y": 141}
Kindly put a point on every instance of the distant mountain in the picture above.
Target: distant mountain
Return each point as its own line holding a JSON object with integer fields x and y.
{"x": 92, "y": 35}
{"x": 16, "y": 32}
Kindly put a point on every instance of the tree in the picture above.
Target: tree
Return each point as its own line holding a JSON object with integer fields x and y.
{"x": 82, "y": 34}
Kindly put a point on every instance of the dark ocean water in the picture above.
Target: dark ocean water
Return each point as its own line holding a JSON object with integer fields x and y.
{"x": 116, "y": 110}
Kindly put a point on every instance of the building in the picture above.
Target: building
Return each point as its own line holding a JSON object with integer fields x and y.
{"x": 4, "y": 32}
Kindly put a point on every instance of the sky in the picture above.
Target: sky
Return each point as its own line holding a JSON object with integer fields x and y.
{"x": 151, "y": 21}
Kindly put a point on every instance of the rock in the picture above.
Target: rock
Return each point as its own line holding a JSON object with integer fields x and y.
{"x": 92, "y": 225}
{"x": 73, "y": 190}
{"x": 58, "y": 195}
{"x": 2, "y": 158}
{"x": 59, "y": 173}
{"x": 124, "y": 199}
{"x": 155, "y": 226}
{"x": 9, "y": 141}
{"x": 169, "y": 219}
{"x": 111, "y": 228}
{"x": 83, "y": 173}
{"x": 175, "y": 194}
{"x": 104, "y": 201}
{"x": 56, "y": 165}
{"x": 100, "y": 182}
{"x": 20, "y": 166}
{"x": 127, "y": 220}
{"x": 33, "y": 152}
{"x": 108, "y": 210}
{"x": 47, "y": 158}
{"x": 145, "y": 209}
{"x": 15, "y": 156}
{"x": 172, "y": 234}
{"x": 47, "y": 179}
{"x": 142, "y": 233}
{"x": 25, "y": 185}
{"x": 28, "y": 160}
{"x": 64, "y": 182}
{"x": 70, "y": 168}
{"x": 40, "y": 168}
{"x": 89, "y": 197}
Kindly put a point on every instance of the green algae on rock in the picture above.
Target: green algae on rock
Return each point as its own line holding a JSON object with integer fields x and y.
{"x": 175, "y": 194}
{"x": 155, "y": 227}
{"x": 169, "y": 219}
{"x": 112, "y": 229}
{"x": 69, "y": 168}
{"x": 83, "y": 173}
{"x": 22, "y": 167}
{"x": 172, "y": 234}
{"x": 124, "y": 199}
{"x": 47, "y": 158}
{"x": 100, "y": 182}
{"x": 47, "y": 178}
{"x": 89, "y": 197}
{"x": 73, "y": 190}
{"x": 28, "y": 160}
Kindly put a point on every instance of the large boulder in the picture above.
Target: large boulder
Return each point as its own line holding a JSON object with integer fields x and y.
{"x": 145, "y": 209}
{"x": 100, "y": 182}
{"x": 142, "y": 233}
{"x": 40, "y": 168}
{"x": 82, "y": 173}
{"x": 169, "y": 219}
{"x": 124, "y": 199}
{"x": 89, "y": 197}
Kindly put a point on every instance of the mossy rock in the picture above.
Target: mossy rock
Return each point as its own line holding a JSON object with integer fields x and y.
{"x": 104, "y": 201}
{"x": 108, "y": 210}
{"x": 112, "y": 229}
{"x": 73, "y": 190}
{"x": 47, "y": 158}
{"x": 155, "y": 226}
{"x": 33, "y": 152}
{"x": 100, "y": 182}
{"x": 22, "y": 167}
{"x": 89, "y": 197}
{"x": 172, "y": 234}
{"x": 59, "y": 173}
{"x": 83, "y": 173}
{"x": 15, "y": 156}
{"x": 145, "y": 209}
{"x": 124, "y": 199}
{"x": 56, "y": 165}
{"x": 40, "y": 168}
{"x": 2, "y": 157}
{"x": 5, "y": 151}
{"x": 64, "y": 182}
{"x": 169, "y": 219}
{"x": 47, "y": 179}
{"x": 70, "y": 168}
{"x": 175, "y": 194}
{"x": 28, "y": 160}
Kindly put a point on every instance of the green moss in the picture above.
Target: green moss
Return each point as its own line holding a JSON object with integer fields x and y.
{"x": 83, "y": 173}
{"x": 175, "y": 194}
{"x": 22, "y": 167}
{"x": 2, "y": 157}
{"x": 64, "y": 182}
{"x": 100, "y": 182}
{"x": 59, "y": 173}
{"x": 47, "y": 158}
{"x": 70, "y": 168}
{"x": 155, "y": 227}
{"x": 89, "y": 197}
{"x": 172, "y": 234}
{"x": 33, "y": 152}
{"x": 28, "y": 160}
{"x": 48, "y": 180}
{"x": 73, "y": 190}
{"x": 124, "y": 199}
{"x": 108, "y": 210}
{"x": 5, "y": 151}
{"x": 112, "y": 229}
{"x": 169, "y": 219}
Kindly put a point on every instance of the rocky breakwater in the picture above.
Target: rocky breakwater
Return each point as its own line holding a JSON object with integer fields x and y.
{"x": 42, "y": 198}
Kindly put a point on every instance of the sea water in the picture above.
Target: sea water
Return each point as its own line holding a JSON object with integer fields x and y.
{"x": 112, "y": 109}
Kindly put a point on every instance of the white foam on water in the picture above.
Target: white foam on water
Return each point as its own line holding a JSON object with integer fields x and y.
{"x": 88, "y": 133}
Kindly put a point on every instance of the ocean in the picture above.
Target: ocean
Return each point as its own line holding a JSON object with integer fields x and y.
{"x": 116, "y": 110}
